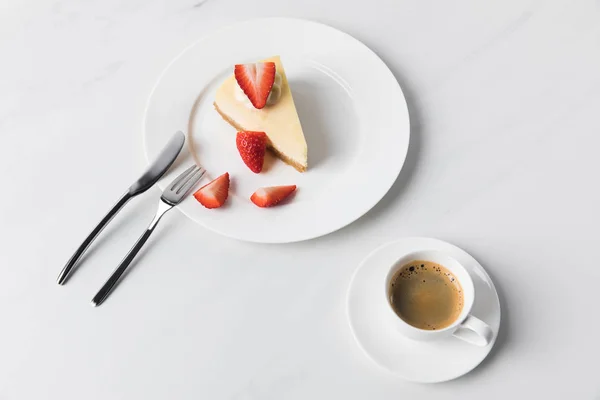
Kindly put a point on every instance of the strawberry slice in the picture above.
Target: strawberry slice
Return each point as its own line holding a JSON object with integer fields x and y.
{"x": 252, "y": 146}
{"x": 256, "y": 80}
{"x": 270, "y": 196}
{"x": 214, "y": 194}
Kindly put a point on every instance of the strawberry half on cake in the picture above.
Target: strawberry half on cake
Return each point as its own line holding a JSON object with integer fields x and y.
{"x": 257, "y": 97}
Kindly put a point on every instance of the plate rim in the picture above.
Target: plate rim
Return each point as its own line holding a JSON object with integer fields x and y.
{"x": 401, "y": 161}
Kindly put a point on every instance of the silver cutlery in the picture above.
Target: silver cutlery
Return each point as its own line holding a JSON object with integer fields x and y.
{"x": 156, "y": 170}
{"x": 173, "y": 195}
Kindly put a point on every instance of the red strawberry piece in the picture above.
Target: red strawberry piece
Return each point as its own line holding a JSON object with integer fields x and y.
{"x": 252, "y": 146}
{"x": 256, "y": 80}
{"x": 214, "y": 194}
{"x": 270, "y": 196}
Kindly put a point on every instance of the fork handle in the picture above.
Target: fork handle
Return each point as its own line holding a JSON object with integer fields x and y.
{"x": 66, "y": 271}
{"x": 104, "y": 292}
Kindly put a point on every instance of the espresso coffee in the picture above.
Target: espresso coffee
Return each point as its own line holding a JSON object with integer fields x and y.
{"x": 426, "y": 295}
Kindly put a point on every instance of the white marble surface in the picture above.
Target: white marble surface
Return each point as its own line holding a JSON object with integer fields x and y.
{"x": 504, "y": 98}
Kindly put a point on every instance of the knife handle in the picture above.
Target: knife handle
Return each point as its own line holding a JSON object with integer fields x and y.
{"x": 66, "y": 271}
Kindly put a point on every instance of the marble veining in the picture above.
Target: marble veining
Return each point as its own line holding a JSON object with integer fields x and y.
{"x": 503, "y": 99}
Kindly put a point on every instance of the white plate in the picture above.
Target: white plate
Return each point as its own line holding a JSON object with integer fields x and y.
{"x": 425, "y": 362}
{"x": 352, "y": 111}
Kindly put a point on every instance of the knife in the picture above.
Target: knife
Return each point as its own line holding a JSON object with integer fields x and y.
{"x": 154, "y": 172}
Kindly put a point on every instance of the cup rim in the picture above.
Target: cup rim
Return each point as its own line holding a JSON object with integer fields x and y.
{"x": 467, "y": 303}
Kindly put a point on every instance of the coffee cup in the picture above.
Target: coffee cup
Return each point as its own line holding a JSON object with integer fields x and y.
{"x": 434, "y": 273}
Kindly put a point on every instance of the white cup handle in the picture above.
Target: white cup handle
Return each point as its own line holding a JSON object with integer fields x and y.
{"x": 474, "y": 331}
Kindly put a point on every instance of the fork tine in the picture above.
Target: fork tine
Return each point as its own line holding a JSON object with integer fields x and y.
{"x": 181, "y": 177}
{"x": 191, "y": 181}
{"x": 180, "y": 187}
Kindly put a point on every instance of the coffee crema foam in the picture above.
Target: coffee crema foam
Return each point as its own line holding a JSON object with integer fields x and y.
{"x": 426, "y": 295}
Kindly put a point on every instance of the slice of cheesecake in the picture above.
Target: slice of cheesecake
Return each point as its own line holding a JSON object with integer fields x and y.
{"x": 278, "y": 119}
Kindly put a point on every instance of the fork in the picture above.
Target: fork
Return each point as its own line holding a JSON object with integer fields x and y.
{"x": 173, "y": 195}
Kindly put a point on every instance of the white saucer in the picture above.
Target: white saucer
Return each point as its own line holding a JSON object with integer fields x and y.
{"x": 352, "y": 111}
{"x": 425, "y": 362}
